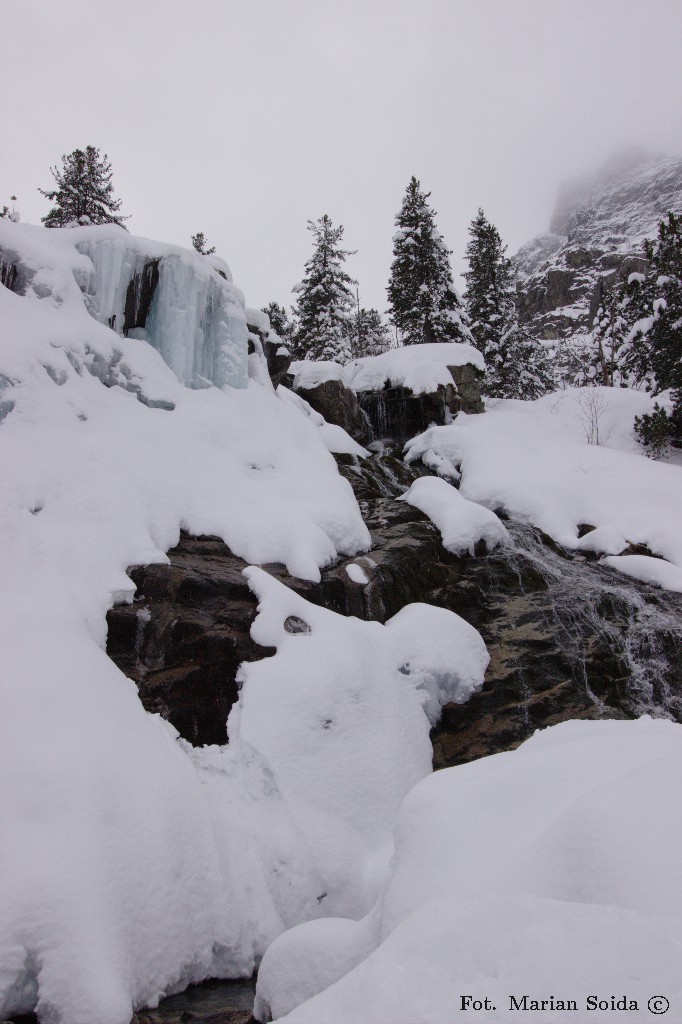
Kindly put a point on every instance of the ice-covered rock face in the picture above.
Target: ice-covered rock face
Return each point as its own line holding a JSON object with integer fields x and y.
{"x": 177, "y": 300}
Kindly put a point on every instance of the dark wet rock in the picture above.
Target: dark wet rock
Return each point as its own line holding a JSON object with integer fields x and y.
{"x": 398, "y": 414}
{"x": 140, "y": 295}
{"x": 277, "y": 356}
{"x": 339, "y": 405}
{"x": 211, "y": 1002}
{"x": 278, "y": 359}
{"x": 185, "y": 635}
{"x": 14, "y": 275}
{"x": 468, "y": 381}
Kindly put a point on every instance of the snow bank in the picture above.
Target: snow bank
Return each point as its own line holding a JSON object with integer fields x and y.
{"x": 421, "y": 368}
{"x": 535, "y": 460}
{"x": 550, "y": 872}
{"x": 463, "y": 524}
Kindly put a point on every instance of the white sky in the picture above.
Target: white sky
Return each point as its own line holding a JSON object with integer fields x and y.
{"x": 246, "y": 118}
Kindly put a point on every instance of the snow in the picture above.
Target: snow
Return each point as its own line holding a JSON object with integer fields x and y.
{"x": 650, "y": 570}
{"x": 310, "y": 373}
{"x": 549, "y": 871}
{"x": 463, "y": 524}
{"x": 258, "y": 319}
{"x": 356, "y": 573}
{"x": 534, "y": 460}
{"x": 422, "y": 368}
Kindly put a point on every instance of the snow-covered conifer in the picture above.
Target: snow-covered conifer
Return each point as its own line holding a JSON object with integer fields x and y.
{"x": 611, "y": 324}
{"x": 652, "y": 350}
{"x": 517, "y": 364}
{"x": 423, "y": 303}
{"x": 325, "y": 300}
{"x": 199, "y": 241}
{"x": 370, "y": 333}
{"x": 84, "y": 194}
{"x": 282, "y": 323}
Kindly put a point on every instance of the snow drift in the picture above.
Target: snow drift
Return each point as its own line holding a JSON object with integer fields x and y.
{"x": 550, "y": 871}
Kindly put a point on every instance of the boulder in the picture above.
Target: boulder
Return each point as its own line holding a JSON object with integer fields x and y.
{"x": 338, "y": 404}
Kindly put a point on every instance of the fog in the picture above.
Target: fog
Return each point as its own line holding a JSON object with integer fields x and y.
{"x": 246, "y": 119}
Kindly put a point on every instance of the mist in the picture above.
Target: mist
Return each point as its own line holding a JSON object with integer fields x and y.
{"x": 246, "y": 119}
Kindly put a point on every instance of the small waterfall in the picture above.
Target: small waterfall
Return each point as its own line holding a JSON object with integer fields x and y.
{"x": 594, "y": 609}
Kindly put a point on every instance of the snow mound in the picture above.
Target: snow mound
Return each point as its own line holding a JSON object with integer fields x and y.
{"x": 649, "y": 570}
{"x": 421, "y": 368}
{"x": 563, "y": 461}
{"x": 523, "y": 873}
{"x": 463, "y": 524}
{"x": 310, "y": 373}
{"x": 305, "y": 725}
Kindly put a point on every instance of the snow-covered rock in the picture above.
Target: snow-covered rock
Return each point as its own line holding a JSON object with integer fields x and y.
{"x": 421, "y": 368}
{"x": 130, "y": 864}
{"x": 463, "y": 524}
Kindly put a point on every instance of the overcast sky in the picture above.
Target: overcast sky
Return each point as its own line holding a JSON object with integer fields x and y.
{"x": 246, "y": 118}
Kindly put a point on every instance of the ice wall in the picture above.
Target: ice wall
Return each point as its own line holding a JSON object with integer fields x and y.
{"x": 175, "y": 299}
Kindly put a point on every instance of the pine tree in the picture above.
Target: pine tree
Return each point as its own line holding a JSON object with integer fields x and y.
{"x": 652, "y": 350}
{"x": 85, "y": 193}
{"x": 611, "y": 324}
{"x": 12, "y": 214}
{"x": 282, "y": 324}
{"x": 370, "y": 334}
{"x": 517, "y": 365}
{"x": 423, "y": 303}
{"x": 199, "y": 241}
{"x": 325, "y": 301}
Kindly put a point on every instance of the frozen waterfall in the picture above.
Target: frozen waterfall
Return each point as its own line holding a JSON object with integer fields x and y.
{"x": 182, "y": 303}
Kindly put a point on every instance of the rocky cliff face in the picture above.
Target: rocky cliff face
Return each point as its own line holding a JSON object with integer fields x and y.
{"x": 566, "y": 640}
{"x": 597, "y": 231}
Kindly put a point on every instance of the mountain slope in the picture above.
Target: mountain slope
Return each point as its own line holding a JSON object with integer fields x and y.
{"x": 597, "y": 230}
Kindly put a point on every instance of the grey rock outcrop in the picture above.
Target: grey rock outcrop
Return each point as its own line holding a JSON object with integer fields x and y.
{"x": 596, "y": 234}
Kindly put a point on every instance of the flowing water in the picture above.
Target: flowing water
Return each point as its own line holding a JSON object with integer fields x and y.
{"x": 592, "y": 605}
